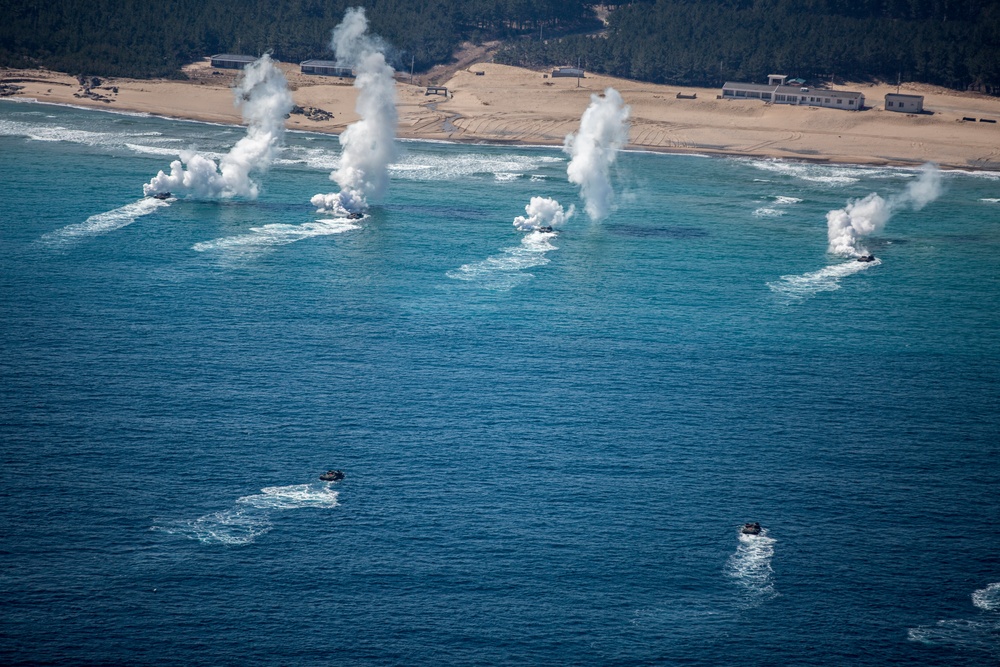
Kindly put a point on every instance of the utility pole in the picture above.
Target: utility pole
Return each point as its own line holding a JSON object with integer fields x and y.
{"x": 413, "y": 59}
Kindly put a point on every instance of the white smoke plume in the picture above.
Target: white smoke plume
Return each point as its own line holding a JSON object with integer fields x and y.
{"x": 603, "y": 131}
{"x": 263, "y": 94}
{"x": 542, "y": 212}
{"x": 862, "y": 217}
{"x": 369, "y": 144}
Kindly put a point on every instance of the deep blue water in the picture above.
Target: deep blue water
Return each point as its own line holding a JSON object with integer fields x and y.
{"x": 549, "y": 447}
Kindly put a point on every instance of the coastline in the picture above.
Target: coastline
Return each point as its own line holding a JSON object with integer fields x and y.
{"x": 514, "y": 106}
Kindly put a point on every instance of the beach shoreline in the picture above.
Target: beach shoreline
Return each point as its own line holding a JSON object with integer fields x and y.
{"x": 501, "y": 105}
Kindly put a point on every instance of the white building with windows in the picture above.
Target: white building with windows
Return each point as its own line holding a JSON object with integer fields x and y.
{"x": 776, "y": 91}
{"x": 904, "y": 103}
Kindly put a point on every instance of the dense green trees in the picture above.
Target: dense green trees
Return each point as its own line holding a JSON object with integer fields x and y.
{"x": 950, "y": 42}
{"x": 128, "y": 38}
{"x": 953, "y": 43}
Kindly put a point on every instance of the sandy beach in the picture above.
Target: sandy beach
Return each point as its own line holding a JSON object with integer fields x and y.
{"x": 513, "y": 105}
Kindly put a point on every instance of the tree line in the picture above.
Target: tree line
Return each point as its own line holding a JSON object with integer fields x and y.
{"x": 953, "y": 43}
{"x": 688, "y": 42}
{"x": 144, "y": 39}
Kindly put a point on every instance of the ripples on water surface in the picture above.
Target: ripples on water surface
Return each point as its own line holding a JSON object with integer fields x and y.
{"x": 550, "y": 440}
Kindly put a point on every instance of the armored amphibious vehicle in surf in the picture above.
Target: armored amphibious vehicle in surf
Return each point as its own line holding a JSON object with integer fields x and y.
{"x": 161, "y": 195}
{"x": 751, "y": 528}
{"x": 866, "y": 258}
{"x": 332, "y": 476}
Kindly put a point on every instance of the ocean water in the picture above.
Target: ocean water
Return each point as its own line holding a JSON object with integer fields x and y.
{"x": 550, "y": 440}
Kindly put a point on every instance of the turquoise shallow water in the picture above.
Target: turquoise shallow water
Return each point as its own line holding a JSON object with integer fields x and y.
{"x": 549, "y": 444}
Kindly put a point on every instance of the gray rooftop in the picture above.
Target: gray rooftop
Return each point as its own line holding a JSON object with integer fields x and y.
{"x": 322, "y": 63}
{"x": 231, "y": 56}
{"x": 792, "y": 90}
{"x": 912, "y": 97}
{"x": 756, "y": 87}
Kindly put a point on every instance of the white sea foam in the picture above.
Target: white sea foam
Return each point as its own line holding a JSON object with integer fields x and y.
{"x": 291, "y": 497}
{"x": 963, "y": 633}
{"x": 766, "y": 212}
{"x": 835, "y": 175}
{"x": 137, "y": 142}
{"x": 991, "y": 200}
{"x": 102, "y": 223}
{"x": 429, "y": 167}
{"x": 451, "y": 167}
{"x": 507, "y": 270}
{"x": 504, "y": 177}
{"x": 750, "y": 568}
{"x": 250, "y": 517}
{"x": 777, "y": 208}
{"x": 268, "y": 236}
{"x": 314, "y": 158}
{"x": 987, "y": 599}
{"x": 976, "y": 173}
{"x": 162, "y": 150}
{"x": 980, "y": 632}
{"x": 825, "y": 280}
{"x": 233, "y": 527}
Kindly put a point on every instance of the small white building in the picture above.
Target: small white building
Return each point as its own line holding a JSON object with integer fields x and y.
{"x": 904, "y": 103}
{"x": 798, "y": 95}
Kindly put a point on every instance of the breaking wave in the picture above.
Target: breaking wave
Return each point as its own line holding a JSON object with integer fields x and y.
{"x": 817, "y": 173}
{"x": 825, "y": 280}
{"x": 269, "y": 236}
{"x": 750, "y": 568}
{"x": 424, "y": 167}
{"x": 142, "y": 143}
{"x": 103, "y": 223}
{"x": 250, "y": 517}
{"x": 507, "y": 270}
{"x": 451, "y": 167}
{"x": 991, "y": 200}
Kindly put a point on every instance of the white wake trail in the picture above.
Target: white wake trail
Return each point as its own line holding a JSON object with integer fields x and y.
{"x": 268, "y": 236}
{"x": 825, "y": 280}
{"x": 750, "y": 568}
{"x": 102, "y": 223}
{"x": 507, "y": 270}
{"x": 250, "y": 516}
